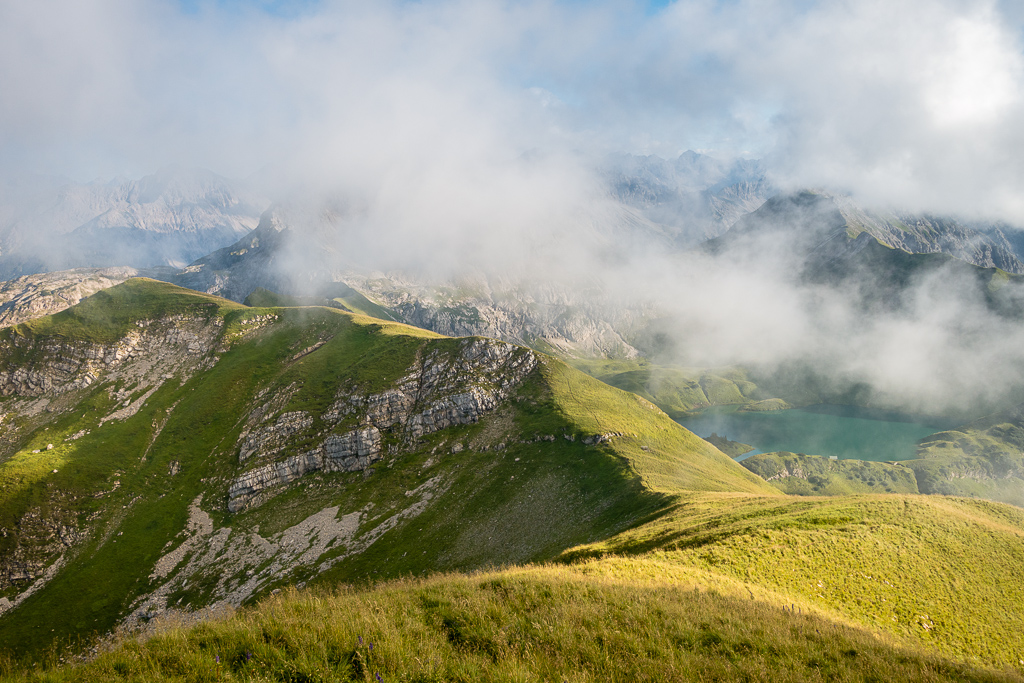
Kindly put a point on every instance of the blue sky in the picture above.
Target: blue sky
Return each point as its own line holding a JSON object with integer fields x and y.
{"x": 293, "y": 8}
{"x": 276, "y": 8}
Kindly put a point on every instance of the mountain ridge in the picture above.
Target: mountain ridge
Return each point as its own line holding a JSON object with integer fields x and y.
{"x": 148, "y": 415}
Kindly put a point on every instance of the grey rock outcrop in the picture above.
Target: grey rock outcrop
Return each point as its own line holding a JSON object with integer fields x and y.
{"x": 33, "y": 296}
{"x": 351, "y": 452}
{"x": 41, "y": 538}
{"x": 442, "y": 389}
{"x": 274, "y": 436}
{"x": 575, "y": 319}
{"x": 56, "y": 366}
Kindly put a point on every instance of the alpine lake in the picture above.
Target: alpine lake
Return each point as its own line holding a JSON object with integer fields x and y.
{"x": 845, "y": 432}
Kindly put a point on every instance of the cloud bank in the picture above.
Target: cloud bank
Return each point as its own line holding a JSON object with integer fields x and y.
{"x": 918, "y": 103}
{"x": 464, "y": 133}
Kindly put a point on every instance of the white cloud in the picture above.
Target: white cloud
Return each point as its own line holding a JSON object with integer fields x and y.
{"x": 917, "y": 102}
{"x": 977, "y": 82}
{"x": 459, "y": 132}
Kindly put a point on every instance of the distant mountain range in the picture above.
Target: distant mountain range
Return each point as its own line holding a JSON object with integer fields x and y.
{"x": 817, "y": 221}
{"x": 869, "y": 260}
{"x": 179, "y": 216}
{"x": 169, "y": 218}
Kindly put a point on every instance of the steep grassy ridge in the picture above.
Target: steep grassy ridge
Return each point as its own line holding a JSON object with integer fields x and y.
{"x": 334, "y": 295}
{"x": 666, "y": 456}
{"x": 127, "y": 514}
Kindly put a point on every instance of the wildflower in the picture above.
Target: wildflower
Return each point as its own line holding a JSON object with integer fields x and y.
{"x": 360, "y": 639}
{"x": 371, "y": 647}
{"x": 378, "y": 676}
{"x": 217, "y": 657}
{"x": 248, "y": 655}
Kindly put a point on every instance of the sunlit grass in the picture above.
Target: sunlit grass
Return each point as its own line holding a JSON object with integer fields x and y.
{"x": 526, "y": 624}
{"x": 947, "y": 572}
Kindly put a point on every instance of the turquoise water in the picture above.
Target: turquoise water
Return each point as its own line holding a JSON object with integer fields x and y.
{"x": 842, "y": 431}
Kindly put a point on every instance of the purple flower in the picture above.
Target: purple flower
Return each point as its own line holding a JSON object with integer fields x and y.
{"x": 360, "y": 639}
{"x": 371, "y": 647}
{"x": 378, "y": 677}
{"x": 217, "y": 657}
{"x": 248, "y": 655}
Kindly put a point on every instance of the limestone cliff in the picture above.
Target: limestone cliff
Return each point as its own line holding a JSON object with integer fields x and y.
{"x": 439, "y": 390}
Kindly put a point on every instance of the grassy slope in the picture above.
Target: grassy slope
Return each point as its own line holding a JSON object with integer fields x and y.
{"x": 945, "y": 572}
{"x": 490, "y": 513}
{"x": 677, "y": 390}
{"x": 532, "y": 624}
{"x": 984, "y": 458}
{"x": 815, "y": 475}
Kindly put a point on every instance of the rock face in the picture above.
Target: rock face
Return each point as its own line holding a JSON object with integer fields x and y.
{"x": 440, "y": 390}
{"x": 52, "y": 535}
{"x": 138, "y": 363}
{"x": 574, "y": 320}
{"x": 233, "y": 272}
{"x": 33, "y": 296}
{"x": 56, "y": 366}
{"x": 273, "y": 436}
{"x": 927, "y": 234}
